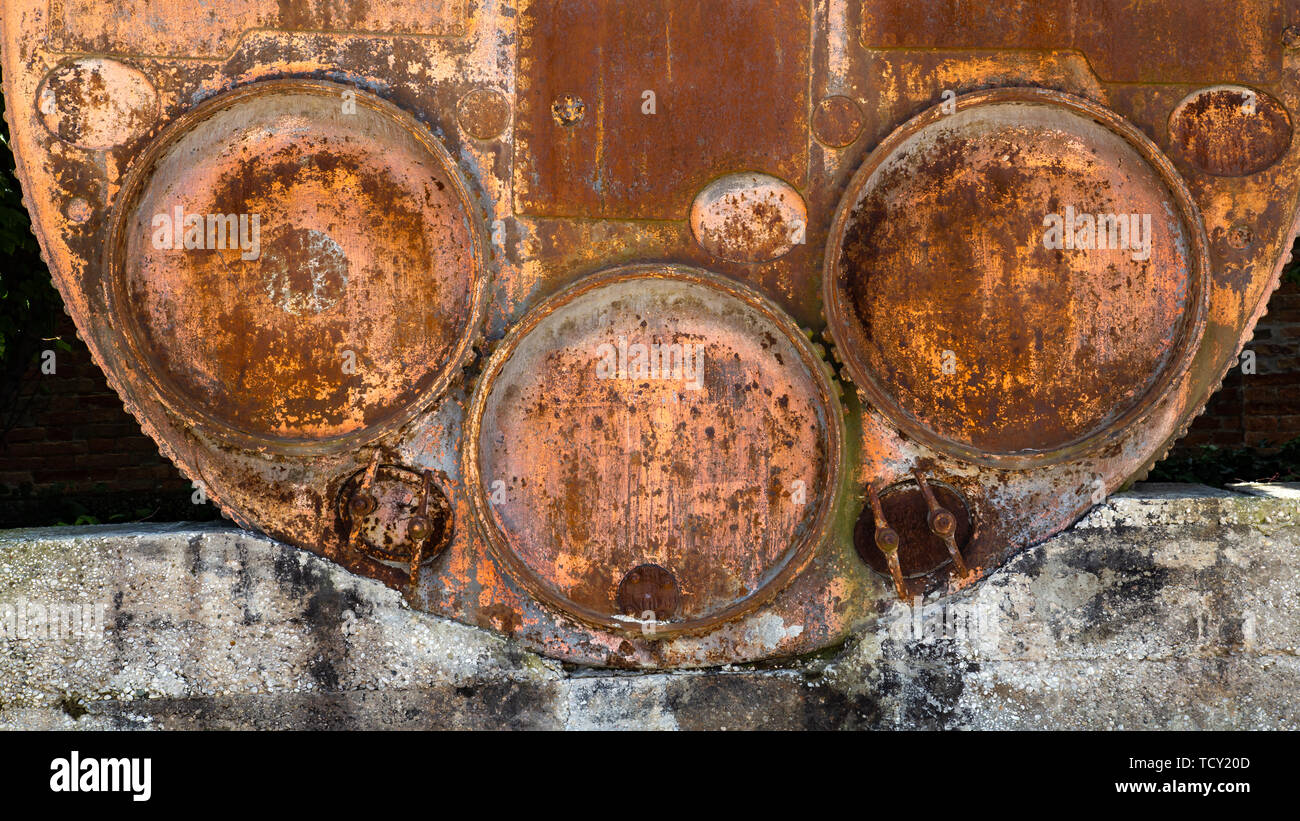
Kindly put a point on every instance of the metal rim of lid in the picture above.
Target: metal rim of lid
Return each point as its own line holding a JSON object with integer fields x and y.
{"x": 175, "y": 400}
{"x": 498, "y": 545}
{"x": 1193, "y": 325}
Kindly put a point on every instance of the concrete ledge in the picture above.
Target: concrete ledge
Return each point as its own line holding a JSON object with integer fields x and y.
{"x": 1167, "y": 607}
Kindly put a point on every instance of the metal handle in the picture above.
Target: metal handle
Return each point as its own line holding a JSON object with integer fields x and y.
{"x": 419, "y": 527}
{"x": 887, "y": 541}
{"x": 942, "y": 524}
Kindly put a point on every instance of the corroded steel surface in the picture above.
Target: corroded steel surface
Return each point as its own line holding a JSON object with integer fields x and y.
{"x": 380, "y": 513}
{"x": 655, "y": 414}
{"x": 451, "y": 196}
{"x": 738, "y": 66}
{"x": 749, "y": 218}
{"x": 941, "y": 252}
{"x": 352, "y": 306}
{"x": 117, "y": 103}
{"x": 1260, "y": 125}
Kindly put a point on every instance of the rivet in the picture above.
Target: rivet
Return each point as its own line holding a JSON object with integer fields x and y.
{"x": 362, "y": 504}
{"x": 79, "y": 211}
{"x": 568, "y": 109}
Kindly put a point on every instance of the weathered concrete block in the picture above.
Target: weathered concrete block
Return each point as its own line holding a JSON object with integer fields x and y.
{"x": 1167, "y": 607}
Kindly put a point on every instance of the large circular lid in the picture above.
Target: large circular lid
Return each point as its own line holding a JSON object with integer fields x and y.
{"x": 1016, "y": 280}
{"x": 296, "y": 265}
{"x": 655, "y": 449}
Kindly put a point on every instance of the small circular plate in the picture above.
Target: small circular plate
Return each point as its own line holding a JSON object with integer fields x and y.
{"x": 920, "y": 551}
{"x": 297, "y": 267}
{"x": 654, "y": 415}
{"x": 1230, "y": 131}
{"x": 96, "y": 103}
{"x": 980, "y": 323}
{"x": 383, "y": 533}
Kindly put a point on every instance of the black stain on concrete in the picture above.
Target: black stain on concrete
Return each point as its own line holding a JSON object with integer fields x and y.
{"x": 1131, "y": 597}
{"x": 242, "y": 589}
{"x": 73, "y": 706}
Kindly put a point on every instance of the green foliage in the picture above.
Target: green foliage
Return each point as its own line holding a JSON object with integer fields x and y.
{"x": 1219, "y": 467}
{"x": 1291, "y": 273}
{"x": 29, "y": 304}
{"x": 134, "y": 514}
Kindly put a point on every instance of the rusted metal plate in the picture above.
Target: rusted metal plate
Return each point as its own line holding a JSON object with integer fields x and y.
{"x": 297, "y": 265}
{"x": 1016, "y": 279}
{"x": 155, "y": 28}
{"x": 922, "y": 552}
{"x": 1260, "y": 127}
{"x": 709, "y": 66}
{"x": 387, "y": 512}
{"x": 1142, "y": 41}
{"x": 655, "y": 415}
{"x": 749, "y": 218}
{"x": 114, "y": 103}
{"x": 472, "y": 308}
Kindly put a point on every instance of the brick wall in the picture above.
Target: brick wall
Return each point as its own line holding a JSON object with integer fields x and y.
{"x": 1253, "y": 410}
{"x": 75, "y": 451}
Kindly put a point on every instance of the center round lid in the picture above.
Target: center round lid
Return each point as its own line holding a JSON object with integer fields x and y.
{"x": 654, "y": 450}
{"x": 296, "y": 265}
{"x": 1015, "y": 280}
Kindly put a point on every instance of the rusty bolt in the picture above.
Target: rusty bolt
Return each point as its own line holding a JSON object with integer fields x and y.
{"x": 887, "y": 539}
{"x": 362, "y": 504}
{"x": 1241, "y": 236}
{"x": 419, "y": 528}
{"x": 943, "y": 523}
{"x": 79, "y": 211}
{"x": 568, "y": 109}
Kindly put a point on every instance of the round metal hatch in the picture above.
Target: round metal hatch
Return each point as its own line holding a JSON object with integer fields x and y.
{"x": 972, "y": 326}
{"x": 296, "y": 265}
{"x": 604, "y": 476}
